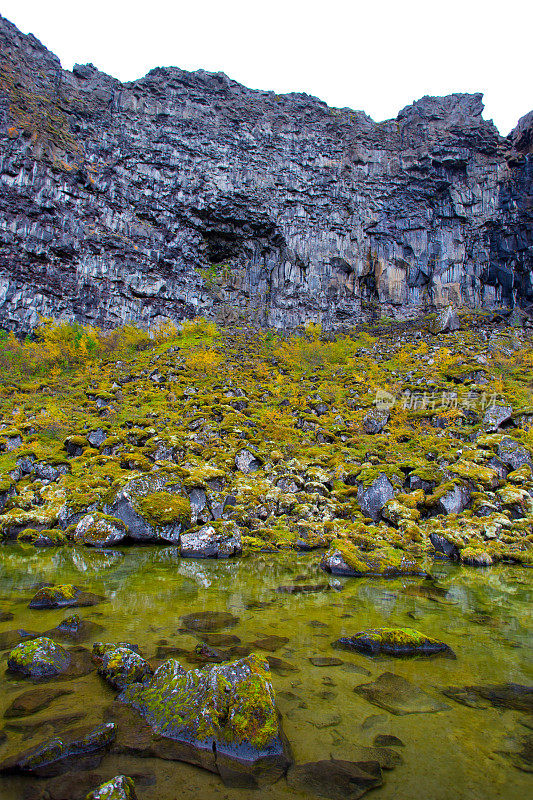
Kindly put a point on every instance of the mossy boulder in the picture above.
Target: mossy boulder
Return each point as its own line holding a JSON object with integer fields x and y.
{"x": 63, "y": 596}
{"x": 513, "y": 454}
{"x": 223, "y": 718}
{"x": 46, "y": 538}
{"x": 123, "y": 666}
{"x": 216, "y": 540}
{"x": 100, "y": 530}
{"x": 476, "y": 557}
{"x": 38, "y": 659}
{"x": 120, "y": 787}
{"x": 393, "y": 642}
{"x": 343, "y": 558}
{"x": 152, "y": 508}
{"x": 64, "y": 752}
{"x": 373, "y": 497}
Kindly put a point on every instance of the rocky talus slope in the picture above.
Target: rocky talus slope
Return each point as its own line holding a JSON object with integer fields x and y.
{"x": 184, "y": 193}
{"x": 388, "y": 451}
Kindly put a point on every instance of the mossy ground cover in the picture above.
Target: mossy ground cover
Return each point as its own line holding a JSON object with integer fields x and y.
{"x": 186, "y": 401}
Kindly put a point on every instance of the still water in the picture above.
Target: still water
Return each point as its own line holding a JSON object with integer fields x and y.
{"x": 456, "y": 752}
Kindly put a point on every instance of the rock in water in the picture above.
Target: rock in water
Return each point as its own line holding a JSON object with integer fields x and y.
{"x": 75, "y": 749}
{"x": 209, "y": 620}
{"x": 39, "y": 659}
{"x": 63, "y": 596}
{"x": 152, "y": 509}
{"x": 100, "y": 530}
{"x": 223, "y": 718}
{"x": 122, "y": 666}
{"x": 34, "y": 700}
{"x": 503, "y": 695}
{"x": 343, "y": 558}
{"x": 335, "y": 779}
{"x": 120, "y": 788}
{"x": 217, "y": 540}
{"x": 392, "y": 642}
{"x": 398, "y": 695}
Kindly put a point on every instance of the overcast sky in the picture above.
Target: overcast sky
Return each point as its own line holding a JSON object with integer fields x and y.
{"x": 376, "y": 55}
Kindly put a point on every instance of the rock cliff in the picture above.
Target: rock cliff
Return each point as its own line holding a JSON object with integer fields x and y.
{"x": 186, "y": 193}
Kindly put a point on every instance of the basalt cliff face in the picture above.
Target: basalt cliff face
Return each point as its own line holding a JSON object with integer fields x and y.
{"x": 186, "y": 193}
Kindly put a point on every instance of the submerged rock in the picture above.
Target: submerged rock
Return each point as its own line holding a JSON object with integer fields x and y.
{"x": 216, "y": 540}
{"x": 63, "y": 596}
{"x": 335, "y": 779}
{"x": 398, "y": 695}
{"x": 100, "y": 530}
{"x": 393, "y": 642}
{"x": 209, "y": 620}
{"x": 39, "y": 659}
{"x": 502, "y": 695}
{"x": 74, "y": 629}
{"x": 119, "y": 788}
{"x": 34, "y": 700}
{"x": 9, "y": 639}
{"x": 223, "y": 719}
{"x": 64, "y": 752}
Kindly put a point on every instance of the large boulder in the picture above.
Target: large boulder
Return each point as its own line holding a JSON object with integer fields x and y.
{"x": 222, "y": 718}
{"x": 246, "y": 461}
{"x": 216, "y": 540}
{"x": 372, "y": 498}
{"x": 152, "y": 508}
{"x": 453, "y": 500}
{"x": 513, "y": 454}
{"x": 38, "y": 659}
{"x": 496, "y": 416}
{"x": 100, "y": 530}
{"x": 446, "y": 321}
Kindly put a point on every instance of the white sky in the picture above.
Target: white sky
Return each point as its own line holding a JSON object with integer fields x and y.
{"x": 375, "y": 55}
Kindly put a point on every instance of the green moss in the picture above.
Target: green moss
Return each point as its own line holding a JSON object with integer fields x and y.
{"x": 164, "y": 508}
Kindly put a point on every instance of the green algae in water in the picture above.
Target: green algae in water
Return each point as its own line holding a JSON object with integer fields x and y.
{"x": 451, "y": 753}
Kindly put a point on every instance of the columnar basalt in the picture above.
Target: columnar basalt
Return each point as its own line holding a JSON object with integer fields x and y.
{"x": 185, "y": 193}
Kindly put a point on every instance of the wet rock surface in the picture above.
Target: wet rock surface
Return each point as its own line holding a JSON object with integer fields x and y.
{"x": 39, "y": 659}
{"x": 392, "y": 641}
{"x": 65, "y": 596}
{"x": 335, "y": 779}
{"x": 223, "y": 719}
{"x": 398, "y": 695}
{"x": 221, "y": 540}
{"x": 80, "y": 746}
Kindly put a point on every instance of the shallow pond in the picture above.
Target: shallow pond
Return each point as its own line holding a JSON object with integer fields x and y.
{"x": 457, "y": 752}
